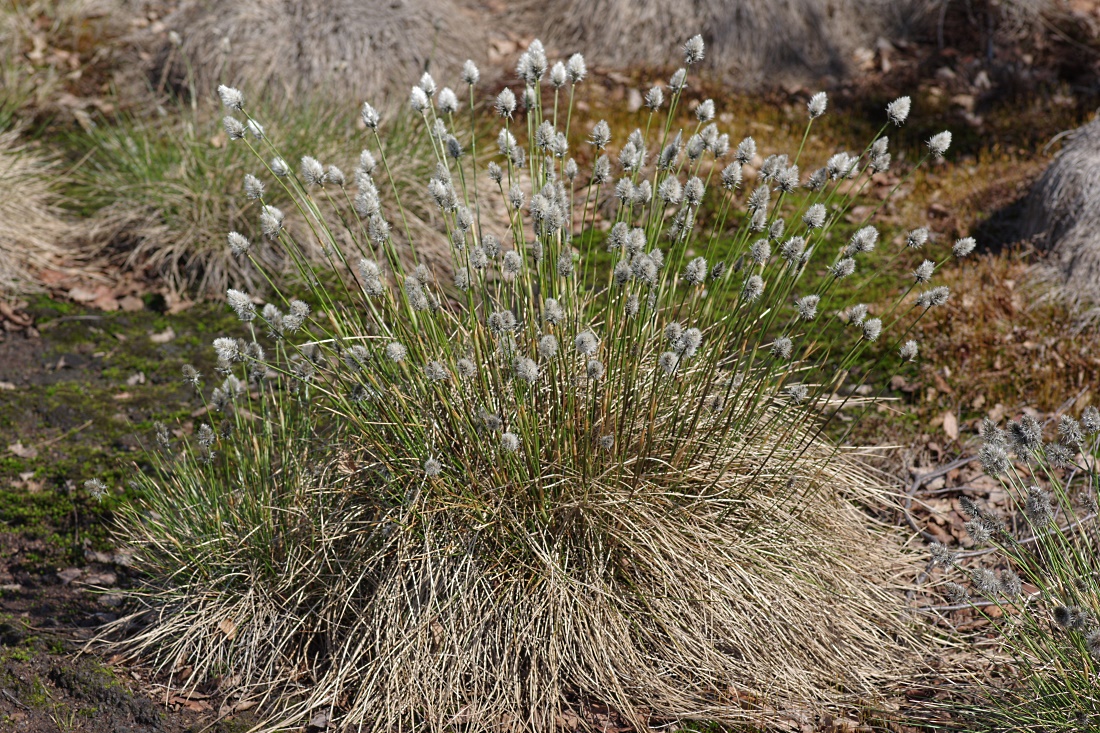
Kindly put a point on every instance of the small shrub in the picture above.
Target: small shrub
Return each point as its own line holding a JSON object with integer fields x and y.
{"x": 589, "y": 468}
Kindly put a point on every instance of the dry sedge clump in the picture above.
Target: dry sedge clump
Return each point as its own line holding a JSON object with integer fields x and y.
{"x": 338, "y": 49}
{"x": 33, "y": 230}
{"x": 552, "y": 480}
{"x": 1064, "y": 219}
{"x": 749, "y": 42}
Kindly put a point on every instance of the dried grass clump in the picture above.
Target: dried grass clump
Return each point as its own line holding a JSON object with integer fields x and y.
{"x": 749, "y": 42}
{"x": 161, "y": 194}
{"x": 1063, "y": 217}
{"x": 694, "y": 594}
{"x": 34, "y": 230}
{"x": 340, "y": 49}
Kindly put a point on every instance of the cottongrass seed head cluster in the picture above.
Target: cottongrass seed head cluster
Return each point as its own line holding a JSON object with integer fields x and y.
{"x": 590, "y": 466}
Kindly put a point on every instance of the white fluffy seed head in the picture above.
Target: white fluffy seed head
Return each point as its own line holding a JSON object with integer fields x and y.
{"x": 696, "y": 271}
{"x": 964, "y": 247}
{"x": 816, "y": 105}
{"x": 396, "y": 351}
{"x": 313, "y": 173}
{"x": 448, "y": 101}
{"x": 668, "y": 361}
{"x": 908, "y": 350}
{"x": 814, "y": 218}
{"x": 576, "y": 68}
{"x": 241, "y": 304}
{"x": 678, "y": 80}
{"x": 807, "y": 307}
{"x": 253, "y": 187}
{"x": 694, "y": 50}
{"x": 238, "y": 244}
{"x": 271, "y": 221}
{"x": 505, "y": 103}
{"x": 98, "y": 489}
{"x": 939, "y": 143}
{"x": 797, "y": 393}
{"x": 856, "y": 314}
{"x": 370, "y": 116}
{"x": 924, "y": 272}
{"x": 843, "y": 268}
{"x": 731, "y": 176}
{"x": 548, "y": 346}
{"x": 526, "y": 369}
{"x": 427, "y": 84}
{"x": 466, "y": 368}
{"x": 916, "y": 238}
{"x": 746, "y": 151}
{"x": 231, "y": 98}
{"x": 760, "y": 251}
{"x": 586, "y": 343}
{"x": 552, "y": 312}
{"x": 233, "y": 127}
{"x": 558, "y": 75}
{"x": 418, "y": 100}
{"x": 654, "y": 98}
{"x": 470, "y": 73}
{"x": 753, "y": 288}
{"x": 898, "y": 110}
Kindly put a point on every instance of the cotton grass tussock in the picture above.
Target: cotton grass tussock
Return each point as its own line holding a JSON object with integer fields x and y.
{"x": 492, "y": 489}
{"x": 165, "y": 197}
{"x": 1047, "y": 588}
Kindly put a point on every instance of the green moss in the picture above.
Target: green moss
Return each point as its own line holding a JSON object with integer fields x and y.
{"x": 86, "y": 421}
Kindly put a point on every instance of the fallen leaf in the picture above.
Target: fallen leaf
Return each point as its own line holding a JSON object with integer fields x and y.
{"x": 951, "y": 425}
{"x": 195, "y": 706}
{"x": 7, "y": 385}
{"x": 227, "y": 627}
{"x": 131, "y": 303}
{"x": 163, "y": 337}
{"x": 23, "y": 451}
{"x": 83, "y": 295}
{"x": 68, "y": 575}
